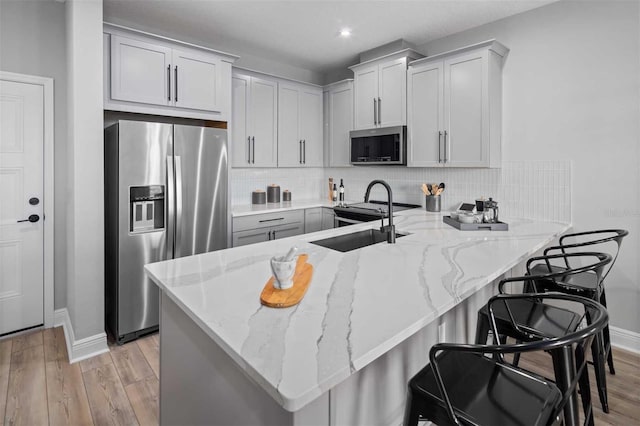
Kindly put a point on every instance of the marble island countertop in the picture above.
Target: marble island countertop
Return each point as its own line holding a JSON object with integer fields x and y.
{"x": 359, "y": 305}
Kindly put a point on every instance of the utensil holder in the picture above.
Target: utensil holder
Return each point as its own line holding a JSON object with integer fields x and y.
{"x": 432, "y": 203}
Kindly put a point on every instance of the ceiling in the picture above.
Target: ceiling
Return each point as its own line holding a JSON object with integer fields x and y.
{"x": 306, "y": 33}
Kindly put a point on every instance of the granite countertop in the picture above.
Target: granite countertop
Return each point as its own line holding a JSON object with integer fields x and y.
{"x": 359, "y": 304}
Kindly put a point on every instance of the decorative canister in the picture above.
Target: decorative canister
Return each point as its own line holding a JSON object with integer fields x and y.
{"x": 432, "y": 203}
{"x": 273, "y": 193}
{"x": 286, "y": 195}
{"x": 258, "y": 197}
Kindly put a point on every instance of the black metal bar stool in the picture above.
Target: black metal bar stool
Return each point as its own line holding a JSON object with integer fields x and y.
{"x": 587, "y": 284}
{"x": 537, "y": 321}
{"x": 462, "y": 386}
{"x": 571, "y": 243}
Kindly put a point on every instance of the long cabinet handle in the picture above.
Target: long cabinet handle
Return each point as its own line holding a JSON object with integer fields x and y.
{"x": 271, "y": 220}
{"x": 375, "y": 111}
{"x": 439, "y": 146}
{"x": 253, "y": 156}
{"x": 300, "y": 151}
{"x": 379, "y": 111}
{"x": 304, "y": 151}
{"x": 169, "y": 82}
{"x": 176, "y": 83}
{"x": 249, "y": 149}
{"x": 445, "y": 146}
{"x": 274, "y": 234}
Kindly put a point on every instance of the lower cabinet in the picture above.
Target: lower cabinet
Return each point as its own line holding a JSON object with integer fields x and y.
{"x": 267, "y": 226}
{"x": 328, "y": 218}
{"x": 272, "y": 226}
{"x": 313, "y": 220}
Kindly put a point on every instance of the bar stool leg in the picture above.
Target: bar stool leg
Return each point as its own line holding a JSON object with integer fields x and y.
{"x": 482, "y": 329}
{"x": 565, "y": 368}
{"x": 585, "y": 388}
{"x": 411, "y": 411}
{"x": 598, "y": 354}
{"x": 607, "y": 338}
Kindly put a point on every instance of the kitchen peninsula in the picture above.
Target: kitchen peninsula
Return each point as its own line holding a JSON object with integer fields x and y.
{"x": 345, "y": 353}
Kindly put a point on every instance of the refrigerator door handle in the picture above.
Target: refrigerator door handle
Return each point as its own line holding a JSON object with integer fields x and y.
{"x": 170, "y": 202}
{"x": 178, "y": 222}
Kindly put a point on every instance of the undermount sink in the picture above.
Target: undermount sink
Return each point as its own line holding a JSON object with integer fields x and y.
{"x": 355, "y": 240}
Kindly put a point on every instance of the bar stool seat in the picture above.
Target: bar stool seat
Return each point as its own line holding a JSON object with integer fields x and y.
{"x": 486, "y": 393}
{"x": 462, "y": 384}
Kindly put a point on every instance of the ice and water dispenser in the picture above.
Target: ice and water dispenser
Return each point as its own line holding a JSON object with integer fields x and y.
{"x": 146, "y": 208}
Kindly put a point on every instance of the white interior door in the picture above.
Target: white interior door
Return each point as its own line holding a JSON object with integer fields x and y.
{"x": 21, "y": 198}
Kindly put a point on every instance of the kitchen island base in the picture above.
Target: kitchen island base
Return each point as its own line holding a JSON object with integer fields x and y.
{"x": 201, "y": 384}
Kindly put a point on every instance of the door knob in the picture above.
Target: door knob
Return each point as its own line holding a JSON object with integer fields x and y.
{"x": 32, "y": 218}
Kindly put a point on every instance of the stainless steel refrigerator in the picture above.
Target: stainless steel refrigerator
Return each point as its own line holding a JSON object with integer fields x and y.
{"x": 165, "y": 197}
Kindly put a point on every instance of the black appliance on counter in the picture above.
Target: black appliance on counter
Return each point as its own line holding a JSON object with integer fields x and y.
{"x": 366, "y": 212}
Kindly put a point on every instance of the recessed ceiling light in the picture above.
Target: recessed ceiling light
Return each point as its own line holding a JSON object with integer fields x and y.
{"x": 345, "y": 32}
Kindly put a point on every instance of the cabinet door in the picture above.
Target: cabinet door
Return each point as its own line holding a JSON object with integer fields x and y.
{"x": 241, "y": 142}
{"x": 425, "y": 115}
{"x": 466, "y": 110}
{"x": 197, "y": 81}
{"x": 264, "y": 118}
{"x": 284, "y": 231}
{"x": 140, "y": 71}
{"x": 366, "y": 91}
{"x": 289, "y": 140}
{"x": 340, "y": 124}
{"x": 313, "y": 220}
{"x": 243, "y": 238}
{"x": 328, "y": 217}
{"x": 310, "y": 126}
{"x": 392, "y": 92}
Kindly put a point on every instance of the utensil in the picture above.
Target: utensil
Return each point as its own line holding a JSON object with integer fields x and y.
{"x": 425, "y": 189}
{"x": 292, "y": 252}
{"x": 428, "y": 189}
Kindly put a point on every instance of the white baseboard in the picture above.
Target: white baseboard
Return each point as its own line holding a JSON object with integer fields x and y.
{"x": 625, "y": 339}
{"x": 83, "y": 348}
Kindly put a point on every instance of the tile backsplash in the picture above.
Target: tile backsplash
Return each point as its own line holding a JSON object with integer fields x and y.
{"x": 530, "y": 189}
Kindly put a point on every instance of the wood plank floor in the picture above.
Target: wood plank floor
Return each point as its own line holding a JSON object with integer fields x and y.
{"x": 38, "y": 386}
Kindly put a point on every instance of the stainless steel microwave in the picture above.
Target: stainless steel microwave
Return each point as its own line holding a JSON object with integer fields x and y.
{"x": 385, "y": 145}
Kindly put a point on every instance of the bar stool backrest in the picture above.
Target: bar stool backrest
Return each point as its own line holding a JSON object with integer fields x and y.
{"x": 589, "y": 262}
{"x": 603, "y": 240}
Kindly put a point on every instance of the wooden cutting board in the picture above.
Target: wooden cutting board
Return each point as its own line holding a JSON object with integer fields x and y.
{"x": 276, "y": 298}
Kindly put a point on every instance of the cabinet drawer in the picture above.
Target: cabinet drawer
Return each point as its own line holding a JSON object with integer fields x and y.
{"x": 252, "y": 236}
{"x": 266, "y": 220}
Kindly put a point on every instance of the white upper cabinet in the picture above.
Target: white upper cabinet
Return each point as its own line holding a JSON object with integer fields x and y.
{"x": 254, "y": 125}
{"x": 380, "y": 88}
{"x": 366, "y": 97}
{"x": 455, "y": 108}
{"x": 140, "y": 71}
{"x": 153, "y": 75}
{"x": 300, "y": 142}
{"x": 197, "y": 81}
{"x": 339, "y": 98}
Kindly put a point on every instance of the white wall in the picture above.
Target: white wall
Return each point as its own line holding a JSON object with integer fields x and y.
{"x": 85, "y": 218}
{"x": 571, "y": 92}
{"x": 32, "y": 41}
